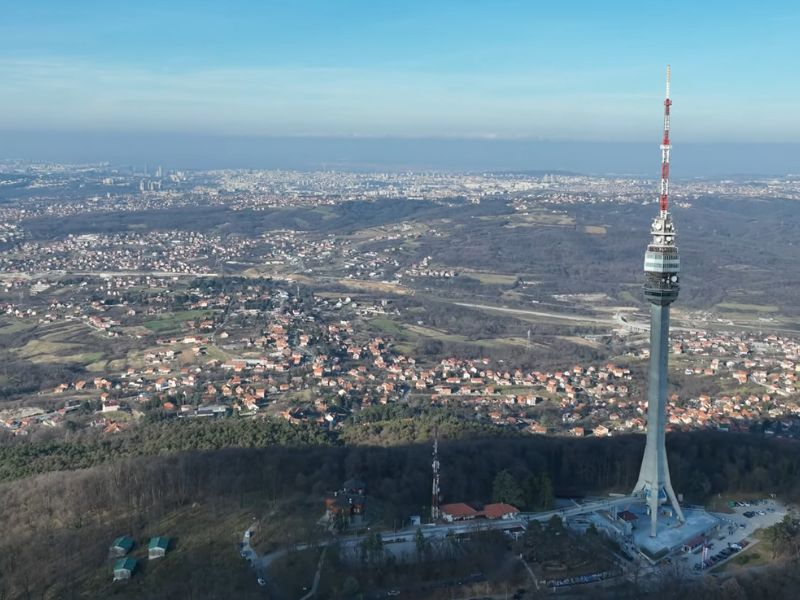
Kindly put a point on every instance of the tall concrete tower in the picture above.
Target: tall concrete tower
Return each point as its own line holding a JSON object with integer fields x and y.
{"x": 661, "y": 266}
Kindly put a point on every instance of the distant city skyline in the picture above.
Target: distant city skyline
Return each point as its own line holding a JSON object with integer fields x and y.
{"x": 187, "y": 151}
{"x": 454, "y": 70}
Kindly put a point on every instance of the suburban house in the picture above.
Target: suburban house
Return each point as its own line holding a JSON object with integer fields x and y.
{"x": 121, "y": 546}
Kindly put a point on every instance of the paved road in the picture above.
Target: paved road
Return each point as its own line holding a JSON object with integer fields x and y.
{"x": 536, "y": 313}
{"x": 47, "y": 274}
{"x": 315, "y": 586}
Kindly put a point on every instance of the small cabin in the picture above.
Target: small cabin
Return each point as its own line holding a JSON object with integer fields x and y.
{"x": 157, "y": 547}
{"x": 124, "y": 568}
{"x": 121, "y": 546}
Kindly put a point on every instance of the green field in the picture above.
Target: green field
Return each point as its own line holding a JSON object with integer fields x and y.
{"x": 175, "y": 321}
{"x": 15, "y": 326}
{"x": 386, "y": 326}
{"x": 408, "y": 335}
{"x": 61, "y": 344}
{"x": 759, "y": 554}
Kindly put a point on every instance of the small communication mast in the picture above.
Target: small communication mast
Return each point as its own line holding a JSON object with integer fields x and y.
{"x": 435, "y": 513}
{"x": 665, "y": 148}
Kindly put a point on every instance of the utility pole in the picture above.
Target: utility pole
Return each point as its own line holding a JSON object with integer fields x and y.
{"x": 436, "y": 490}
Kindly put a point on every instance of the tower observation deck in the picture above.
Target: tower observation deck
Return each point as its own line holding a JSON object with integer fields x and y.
{"x": 661, "y": 286}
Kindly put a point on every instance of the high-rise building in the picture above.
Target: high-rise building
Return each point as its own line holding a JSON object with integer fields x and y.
{"x": 661, "y": 267}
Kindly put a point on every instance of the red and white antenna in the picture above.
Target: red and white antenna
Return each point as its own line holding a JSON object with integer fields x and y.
{"x": 665, "y": 147}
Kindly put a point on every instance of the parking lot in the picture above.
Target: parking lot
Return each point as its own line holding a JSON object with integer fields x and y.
{"x": 736, "y": 532}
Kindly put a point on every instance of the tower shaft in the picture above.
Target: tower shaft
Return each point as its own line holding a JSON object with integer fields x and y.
{"x": 654, "y": 480}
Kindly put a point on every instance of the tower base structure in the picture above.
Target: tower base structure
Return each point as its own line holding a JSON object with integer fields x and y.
{"x": 654, "y": 484}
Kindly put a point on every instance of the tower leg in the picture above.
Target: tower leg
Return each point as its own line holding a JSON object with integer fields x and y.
{"x": 652, "y": 503}
{"x": 674, "y": 501}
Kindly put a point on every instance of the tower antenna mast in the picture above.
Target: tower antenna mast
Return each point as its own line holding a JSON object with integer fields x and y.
{"x": 663, "y": 200}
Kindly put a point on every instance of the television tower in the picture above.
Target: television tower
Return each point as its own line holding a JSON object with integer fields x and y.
{"x": 661, "y": 266}
{"x": 436, "y": 492}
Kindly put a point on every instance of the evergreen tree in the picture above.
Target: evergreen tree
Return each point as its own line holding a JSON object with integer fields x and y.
{"x": 507, "y": 489}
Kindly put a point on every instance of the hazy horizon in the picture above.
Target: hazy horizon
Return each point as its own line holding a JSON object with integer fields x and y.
{"x": 203, "y": 151}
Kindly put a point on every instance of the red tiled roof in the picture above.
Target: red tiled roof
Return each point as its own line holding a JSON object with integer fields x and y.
{"x": 496, "y": 511}
{"x": 459, "y": 510}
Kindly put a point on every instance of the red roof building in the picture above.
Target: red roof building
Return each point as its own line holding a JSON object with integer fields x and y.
{"x": 499, "y": 510}
{"x": 458, "y": 512}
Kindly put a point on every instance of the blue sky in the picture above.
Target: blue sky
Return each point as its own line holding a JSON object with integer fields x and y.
{"x": 502, "y": 69}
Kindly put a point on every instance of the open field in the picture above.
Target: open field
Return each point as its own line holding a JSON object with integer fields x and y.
{"x": 175, "y": 321}
{"x": 490, "y": 278}
{"x": 575, "y": 339}
{"x": 47, "y": 351}
{"x": 412, "y": 333}
{"x": 747, "y": 308}
{"x": 60, "y": 343}
{"x": 543, "y": 218}
{"x": 594, "y": 229}
{"x": 375, "y": 286}
{"x": 15, "y": 326}
{"x": 387, "y": 325}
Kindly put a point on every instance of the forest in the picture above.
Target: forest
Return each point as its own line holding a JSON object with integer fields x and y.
{"x": 66, "y": 518}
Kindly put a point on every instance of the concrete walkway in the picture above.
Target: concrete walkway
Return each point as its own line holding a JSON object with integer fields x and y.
{"x": 317, "y": 577}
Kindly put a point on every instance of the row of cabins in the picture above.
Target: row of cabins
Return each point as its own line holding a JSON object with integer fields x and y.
{"x": 125, "y": 566}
